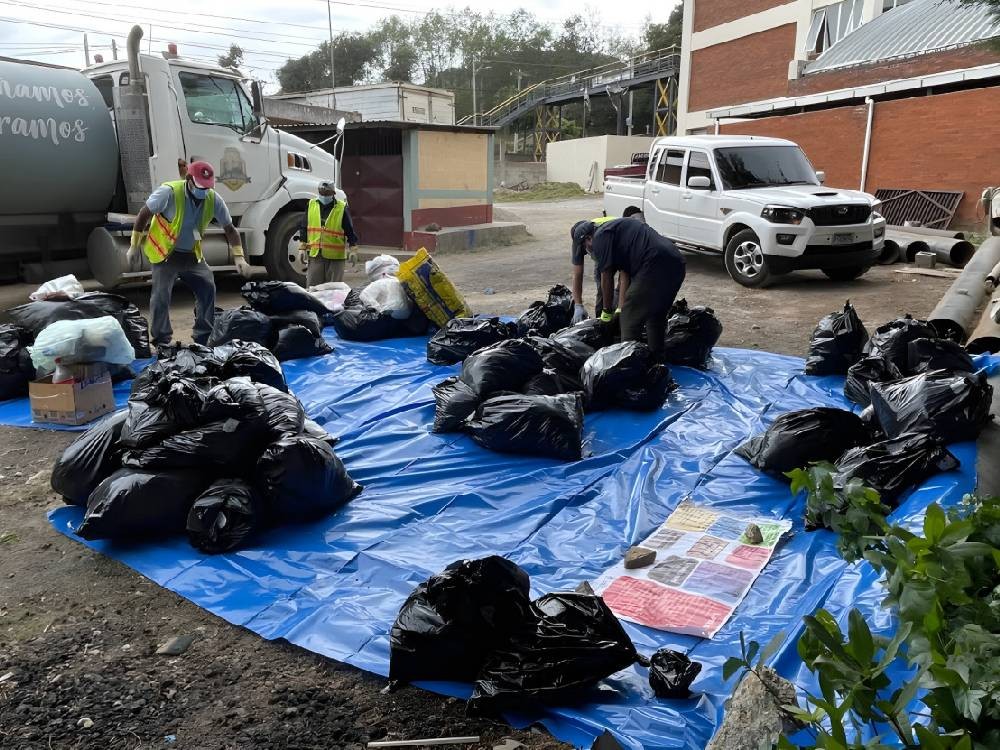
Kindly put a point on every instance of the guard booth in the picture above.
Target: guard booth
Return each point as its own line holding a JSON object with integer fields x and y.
{"x": 402, "y": 177}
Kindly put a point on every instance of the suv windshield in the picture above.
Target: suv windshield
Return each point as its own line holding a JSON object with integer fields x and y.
{"x": 764, "y": 166}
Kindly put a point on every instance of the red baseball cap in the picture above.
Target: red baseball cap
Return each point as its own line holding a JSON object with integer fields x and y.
{"x": 202, "y": 173}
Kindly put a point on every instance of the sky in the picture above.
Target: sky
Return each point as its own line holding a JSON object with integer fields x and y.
{"x": 52, "y": 31}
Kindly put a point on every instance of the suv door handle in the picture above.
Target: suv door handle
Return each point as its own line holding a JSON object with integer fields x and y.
{"x": 687, "y": 196}
{"x": 654, "y": 191}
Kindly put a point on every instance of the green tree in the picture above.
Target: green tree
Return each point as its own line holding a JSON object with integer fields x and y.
{"x": 354, "y": 57}
{"x": 662, "y": 35}
{"x": 233, "y": 58}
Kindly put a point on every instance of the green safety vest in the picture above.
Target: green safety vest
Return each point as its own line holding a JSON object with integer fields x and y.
{"x": 162, "y": 235}
{"x": 326, "y": 238}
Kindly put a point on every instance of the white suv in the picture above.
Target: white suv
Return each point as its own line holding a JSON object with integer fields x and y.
{"x": 757, "y": 201}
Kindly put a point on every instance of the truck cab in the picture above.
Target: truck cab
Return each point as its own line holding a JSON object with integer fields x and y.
{"x": 198, "y": 111}
{"x": 758, "y": 202}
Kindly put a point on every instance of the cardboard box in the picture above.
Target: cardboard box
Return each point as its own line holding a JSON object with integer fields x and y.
{"x": 71, "y": 403}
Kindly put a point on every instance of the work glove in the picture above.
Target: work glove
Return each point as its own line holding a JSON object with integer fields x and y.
{"x": 352, "y": 255}
{"x": 579, "y": 314}
{"x": 134, "y": 255}
{"x": 606, "y": 317}
{"x": 242, "y": 267}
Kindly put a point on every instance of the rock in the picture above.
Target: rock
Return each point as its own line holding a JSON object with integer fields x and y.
{"x": 753, "y": 718}
{"x": 639, "y": 557}
{"x": 176, "y": 645}
{"x": 584, "y": 587}
{"x": 753, "y": 534}
{"x": 85, "y": 723}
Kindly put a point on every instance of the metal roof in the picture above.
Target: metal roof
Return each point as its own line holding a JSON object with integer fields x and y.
{"x": 391, "y": 125}
{"x": 916, "y": 28}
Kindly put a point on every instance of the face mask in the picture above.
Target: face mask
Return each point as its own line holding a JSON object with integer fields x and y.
{"x": 198, "y": 192}
{"x": 326, "y": 200}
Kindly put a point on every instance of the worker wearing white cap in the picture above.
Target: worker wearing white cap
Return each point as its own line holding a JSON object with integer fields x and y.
{"x": 326, "y": 235}
{"x": 176, "y": 215}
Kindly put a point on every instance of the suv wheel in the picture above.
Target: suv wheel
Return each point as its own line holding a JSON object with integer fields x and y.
{"x": 745, "y": 260}
{"x": 848, "y": 273}
{"x": 281, "y": 252}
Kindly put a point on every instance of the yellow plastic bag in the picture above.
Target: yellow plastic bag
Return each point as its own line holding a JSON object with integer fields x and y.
{"x": 434, "y": 294}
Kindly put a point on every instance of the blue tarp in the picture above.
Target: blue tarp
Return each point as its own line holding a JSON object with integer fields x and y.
{"x": 334, "y": 587}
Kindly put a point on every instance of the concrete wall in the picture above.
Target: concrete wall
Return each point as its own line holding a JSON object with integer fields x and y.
{"x": 512, "y": 173}
{"x": 924, "y": 142}
{"x": 573, "y": 160}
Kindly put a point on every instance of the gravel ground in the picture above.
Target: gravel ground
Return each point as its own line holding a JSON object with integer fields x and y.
{"x": 78, "y": 632}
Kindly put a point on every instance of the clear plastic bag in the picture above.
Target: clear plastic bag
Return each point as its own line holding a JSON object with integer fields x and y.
{"x": 388, "y": 295}
{"x": 381, "y": 267}
{"x": 76, "y": 342}
{"x": 64, "y": 287}
{"x": 332, "y": 294}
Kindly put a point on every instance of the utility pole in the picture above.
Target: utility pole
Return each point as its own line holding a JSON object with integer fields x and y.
{"x": 114, "y": 49}
{"x": 86, "y": 52}
{"x": 333, "y": 80}
{"x": 519, "y": 74}
{"x": 475, "y": 109}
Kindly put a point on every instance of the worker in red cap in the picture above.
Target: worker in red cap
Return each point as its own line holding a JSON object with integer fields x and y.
{"x": 176, "y": 215}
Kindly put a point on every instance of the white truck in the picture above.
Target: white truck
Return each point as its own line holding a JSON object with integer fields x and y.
{"x": 757, "y": 201}
{"x": 83, "y": 150}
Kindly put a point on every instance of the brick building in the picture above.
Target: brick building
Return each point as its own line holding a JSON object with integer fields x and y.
{"x": 917, "y": 81}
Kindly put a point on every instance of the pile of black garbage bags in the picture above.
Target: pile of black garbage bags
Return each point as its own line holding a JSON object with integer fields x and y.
{"x": 281, "y": 316}
{"x": 475, "y": 622}
{"x": 361, "y": 322}
{"x": 31, "y": 318}
{"x": 212, "y": 443}
{"x": 524, "y": 386}
{"x": 920, "y": 391}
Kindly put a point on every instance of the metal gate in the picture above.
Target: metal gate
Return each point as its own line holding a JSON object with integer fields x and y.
{"x": 374, "y": 187}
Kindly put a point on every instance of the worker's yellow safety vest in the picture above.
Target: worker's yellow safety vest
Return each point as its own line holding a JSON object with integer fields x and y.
{"x": 163, "y": 234}
{"x": 603, "y": 220}
{"x": 326, "y": 238}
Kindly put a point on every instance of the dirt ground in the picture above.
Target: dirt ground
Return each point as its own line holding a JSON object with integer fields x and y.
{"x": 78, "y": 632}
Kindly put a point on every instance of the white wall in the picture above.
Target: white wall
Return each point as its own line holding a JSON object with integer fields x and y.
{"x": 398, "y": 103}
{"x": 573, "y": 160}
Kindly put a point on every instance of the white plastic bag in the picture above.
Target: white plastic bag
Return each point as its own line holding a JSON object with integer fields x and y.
{"x": 63, "y": 287}
{"x": 381, "y": 267}
{"x": 388, "y": 295}
{"x": 332, "y": 294}
{"x": 77, "y": 342}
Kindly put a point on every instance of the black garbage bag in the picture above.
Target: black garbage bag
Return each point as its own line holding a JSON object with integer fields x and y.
{"x": 558, "y": 356}
{"x": 592, "y": 334}
{"x": 162, "y": 406}
{"x": 568, "y": 644}
{"x": 298, "y": 342}
{"x": 146, "y": 424}
{"x": 625, "y": 376}
{"x": 130, "y": 504}
{"x": 894, "y": 466}
{"x": 549, "y": 426}
{"x": 544, "y": 318}
{"x": 865, "y": 372}
{"x": 193, "y": 361}
{"x": 227, "y": 446}
{"x": 89, "y": 460}
{"x": 367, "y": 324}
{"x": 240, "y": 400}
{"x": 283, "y": 413}
{"x": 455, "y": 619}
{"x": 246, "y": 359}
{"x": 120, "y": 373}
{"x": 243, "y": 324}
{"x": 460, "y": 337}
{"x": 691, "y": 334}
{"x": 453, "y": 402}
{"x": 304, "y": 318}
{"x": 224, "y": 516}
{"x": 924, "y": 355}
{"x": 950, "y": 407}
{"x": 504, "y": 366}
{"x": 16, "y": 369}
{"x": 315, "y": 430}
{"x": 798, "y": 438}
{"x": 671, "y": 674}
{"x": 892, "y": 340}
{"x": 302, "y": 479}
{"x": 837, "y": 343}
{"x": 276, "y": 297}
{"x": 551, "y": 382}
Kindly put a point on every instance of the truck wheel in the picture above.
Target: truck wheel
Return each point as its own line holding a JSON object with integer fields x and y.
{"x": 849, "y": 273}
{"x": 745, "y": 260}
{"x": 281, "y": 253}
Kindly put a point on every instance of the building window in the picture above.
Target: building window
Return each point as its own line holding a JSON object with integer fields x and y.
{"x": 831, "y": 24}
{"x": 890, "y": 4}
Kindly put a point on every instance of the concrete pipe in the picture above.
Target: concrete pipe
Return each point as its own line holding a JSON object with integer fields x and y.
{"x": 927, "y": 231}
{"x": 955, "y": 314}
{"x": 890, "y": 253}
{"x": 953, "y": 252}
{"x": 985, "y": 339}
{"x": 908, "y": 245}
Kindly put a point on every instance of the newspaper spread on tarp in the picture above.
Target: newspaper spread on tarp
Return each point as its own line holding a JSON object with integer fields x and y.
{"x": 704, "y": 566}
